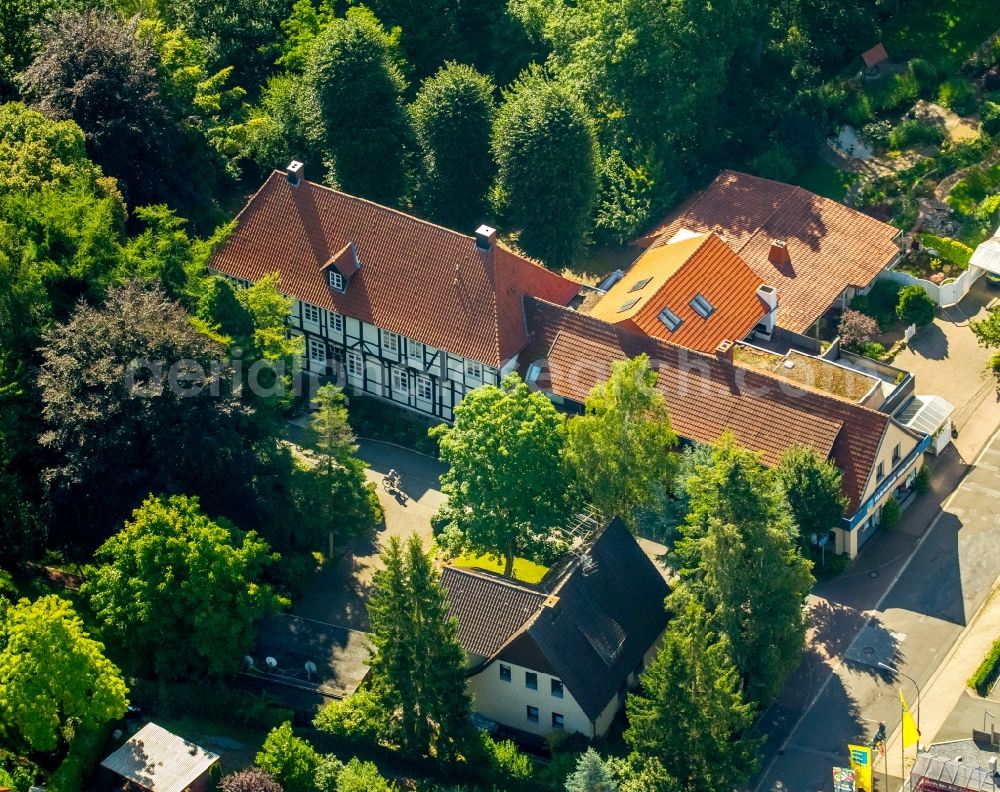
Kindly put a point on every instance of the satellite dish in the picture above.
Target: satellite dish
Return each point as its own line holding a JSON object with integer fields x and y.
{"x": 271, "y": 662}
{"x": 310, "y": 667}
{"x": 248, "y": 661}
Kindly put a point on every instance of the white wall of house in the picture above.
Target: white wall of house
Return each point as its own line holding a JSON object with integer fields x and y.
{"x": 508, "y": 702}
{"x": 385, "y": 364}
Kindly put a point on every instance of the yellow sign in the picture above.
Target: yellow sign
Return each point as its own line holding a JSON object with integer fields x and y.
{"x": 861, "y": 764}
{"x": 910, "y": 734}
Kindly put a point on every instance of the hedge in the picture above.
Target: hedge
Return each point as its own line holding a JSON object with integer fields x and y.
{"x": 950, "y": 249}
{"x": 84, "y": 753}
{"x": 986, "y": 674}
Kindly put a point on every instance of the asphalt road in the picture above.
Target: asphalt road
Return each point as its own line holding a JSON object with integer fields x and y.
{"x": 841, "y": 692}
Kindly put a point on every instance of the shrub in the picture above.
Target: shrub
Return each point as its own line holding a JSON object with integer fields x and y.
{"x": 905, "y": 212}
{"x": 856, "y": 329}
{"x": 289, "y": 759}
{"x": 956, "y": 94}
{"x": 873, "y": 350}
{"x": 252, "y": 779}
{"x": 84, "y": 753}
{"x": 856, "y": 109}
{"x": 879, "y": 303}
{"x": 889, "y": 93}
{"x": 358, "y": 776}
{"x": 915, "y": 307}
{"x": 982, "y": 680}
{"x": 509, "y": 760}
{"x": 877, "y": 132}
{"x": 991, "y": 117}
{"x": 775, "y": 163}
{"x": 915, "y": 133}
{"x": 922, "y": 481}
{"x": 950, "y": 249}
{"x": 891, "y": 514}
{"x": 968, "y": 152}
{"x": 926, "y": 75}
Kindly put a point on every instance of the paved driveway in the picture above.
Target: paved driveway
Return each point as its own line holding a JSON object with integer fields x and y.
{"x": 946, "y": 359}
{"x": 338, "y": 593}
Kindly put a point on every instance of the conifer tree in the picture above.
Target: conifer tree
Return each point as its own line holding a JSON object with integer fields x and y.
{"x": 591, "y": 775}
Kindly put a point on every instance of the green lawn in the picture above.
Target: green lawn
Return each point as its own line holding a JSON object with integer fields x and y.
{"x": 822, "y": 178}
{"x": 973, "y": 188}
{"x": 524, "y": 570}
{"x": 944, "y": 32}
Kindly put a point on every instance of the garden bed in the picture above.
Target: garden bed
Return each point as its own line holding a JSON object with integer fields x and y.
{"x": 374, "y": 419}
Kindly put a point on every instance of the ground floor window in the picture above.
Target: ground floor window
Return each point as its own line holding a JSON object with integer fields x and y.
{"x": 532, "y": 714}
{"x": 557, "y": 721}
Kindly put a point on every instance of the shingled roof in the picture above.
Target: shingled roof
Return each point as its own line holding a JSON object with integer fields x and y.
{"x": 671, "y": 276}
{"x": 707, "y": 396}
{"x": 830, "y": 246}
{"x": 415, "y": 278}
{"x": 590, "y": 627}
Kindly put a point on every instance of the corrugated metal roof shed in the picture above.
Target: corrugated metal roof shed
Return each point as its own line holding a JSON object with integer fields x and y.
{"x": 159, "y": 760}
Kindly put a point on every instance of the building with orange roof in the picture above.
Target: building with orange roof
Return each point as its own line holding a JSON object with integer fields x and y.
{"x": 694, "y": 291}
{"x": 815, "y": 252}
{"x": 388, "y": 304}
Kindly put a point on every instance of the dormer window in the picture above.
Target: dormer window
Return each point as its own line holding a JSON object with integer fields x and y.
{"x": 336, "y": 280}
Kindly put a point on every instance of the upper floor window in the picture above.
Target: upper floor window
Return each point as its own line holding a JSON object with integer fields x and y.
{"x": 473, "y": 369}
{"x": 336, "y": 280}
{"x": 390, "y": 341}
{"x": 880, "y": 471}
{"x": 310, "y": 313}
{"x": 355, "y": 364}
{"x": 425, "y": 389}
{"x": 504, "y": 673}
{"x": 336, "y": 322}
{"x": 895, "y": 454}
{"x": 670, "y": 320}
{"x": 414, "y": 349}
{"x": 558, "y": 721}
{"x": 532, "y": 713}
{"x": 557, "y": 688}
{"x": 317, "y": 350}
{"x": 702, "y": 307}
{"x": 531, "y": 680}
{"x": 400, "y": 381}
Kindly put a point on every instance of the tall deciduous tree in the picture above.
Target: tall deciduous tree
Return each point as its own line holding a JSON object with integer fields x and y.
{"x": 173, "y": 571}
{"x": 739, "y": 554}
{"x": 354, "y": 72}
{"x": 52, "y": 673}
{"x": 622, "y": 447}
{"x": 289, "y": 759}
{"x": 812, "y": 487}
{"x": 690, "y": 715}
{"x": 136, "y": 400}
{"x": 506, "y": 482}
{"x": 545, "y": 151}
{"x": 416, "y": 696}
{"x": 453, "y": 119}
{"x": 93, "y": 69}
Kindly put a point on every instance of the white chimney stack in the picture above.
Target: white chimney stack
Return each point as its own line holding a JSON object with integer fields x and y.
{"x": 769, "y": 296}
{"x": 296, "y": 172}
{"x": 486, "y": 237}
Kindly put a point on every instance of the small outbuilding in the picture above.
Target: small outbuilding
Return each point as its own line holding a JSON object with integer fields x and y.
{"x": 160, "y": 761}
{"x": 875, "y": 58}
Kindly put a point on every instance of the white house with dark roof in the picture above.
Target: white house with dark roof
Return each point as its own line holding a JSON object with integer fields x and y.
{"x": 561, "y": 655}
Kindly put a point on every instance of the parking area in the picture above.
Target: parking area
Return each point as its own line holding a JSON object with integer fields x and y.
{"x": 946, "y": 359}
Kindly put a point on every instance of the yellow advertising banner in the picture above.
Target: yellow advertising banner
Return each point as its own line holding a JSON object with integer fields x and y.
{"x": 861, "y": 764}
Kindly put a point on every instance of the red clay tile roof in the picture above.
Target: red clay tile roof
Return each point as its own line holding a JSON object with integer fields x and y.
{"x": 676, "y": 272}
{"x": 875, "y": 55}
{"x": 707, "y": 396}
{"x": 831, "y": 245}
{"x": 416, "y": 278}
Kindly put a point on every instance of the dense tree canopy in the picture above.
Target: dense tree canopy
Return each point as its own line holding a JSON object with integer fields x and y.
{"x": 354, "y": 71}
{"x": 136, "y": 400}
{"x": 173, "y": 571}
{"x": 545, "y": 151}
{"x": 506, "y": 481}
{"x": 53, "y": 675}
{"x": 812, "y": 488}
{"x": 453, "y": 118}
{"x": 290, "y": 760}
{"x": 622, "y": 447}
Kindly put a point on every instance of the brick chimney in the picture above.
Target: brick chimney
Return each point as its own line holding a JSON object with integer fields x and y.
{"x": 778, "y": 254}
{"x": 724, "y": 351}
{"x": 296, "y": 172}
